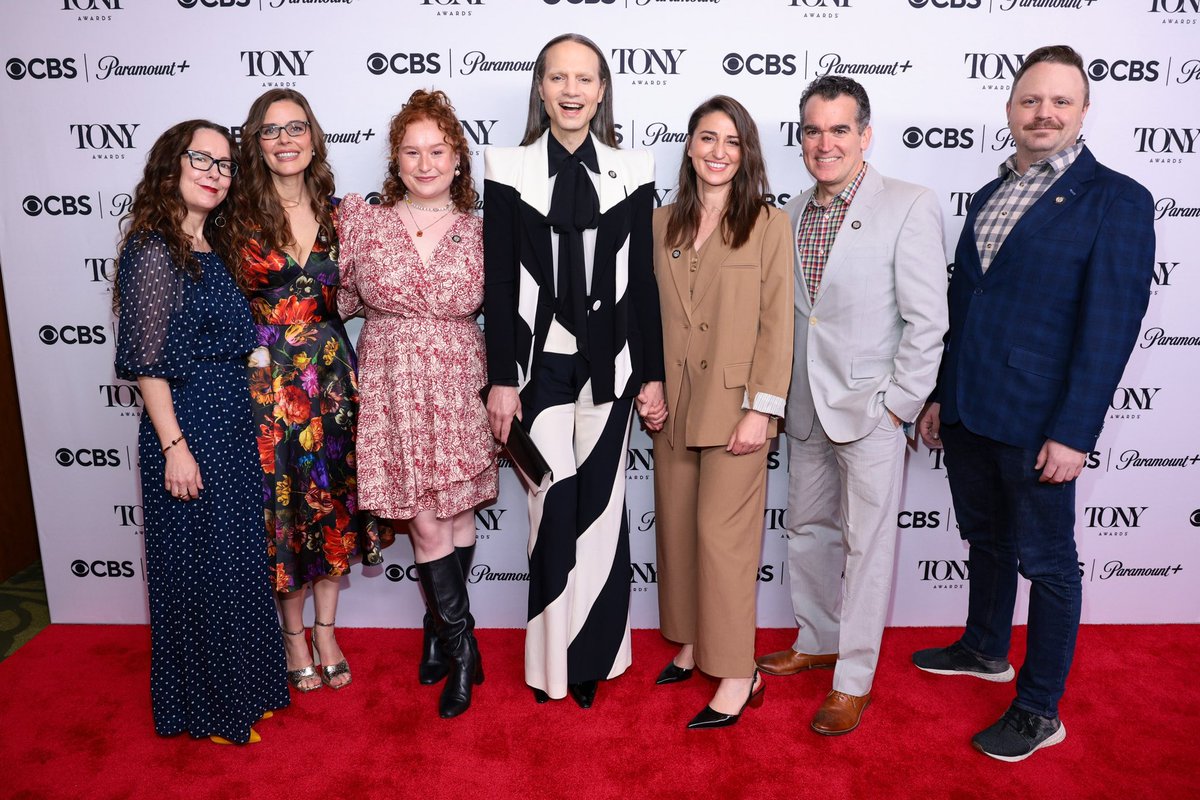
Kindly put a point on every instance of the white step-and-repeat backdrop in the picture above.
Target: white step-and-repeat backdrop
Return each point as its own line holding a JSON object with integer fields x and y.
{"x": 90, "y": 84}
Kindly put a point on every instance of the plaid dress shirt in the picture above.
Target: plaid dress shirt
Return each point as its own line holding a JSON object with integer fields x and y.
{"x": 1016, "y": 195}
{"x": 819, "y": 226}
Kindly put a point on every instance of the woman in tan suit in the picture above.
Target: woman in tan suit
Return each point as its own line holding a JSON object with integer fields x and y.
{"x": 723, "y": 261}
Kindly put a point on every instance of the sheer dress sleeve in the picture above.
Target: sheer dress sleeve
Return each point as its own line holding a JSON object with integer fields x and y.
{"x": 349, "y": 222}
{"x": 153, "y": 337}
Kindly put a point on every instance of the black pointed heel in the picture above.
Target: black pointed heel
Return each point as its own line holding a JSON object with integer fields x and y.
{"x": 708, "y": 718}
{"x": 673, "y": 673}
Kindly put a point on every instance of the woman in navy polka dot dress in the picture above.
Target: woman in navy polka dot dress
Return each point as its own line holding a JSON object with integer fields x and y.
{"x": 216, "y": 656}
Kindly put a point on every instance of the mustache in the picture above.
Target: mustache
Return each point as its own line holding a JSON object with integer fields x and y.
{"x": 1043, "y": 126}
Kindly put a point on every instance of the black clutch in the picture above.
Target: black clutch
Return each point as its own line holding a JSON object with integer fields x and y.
{"x": 524, "y": 453}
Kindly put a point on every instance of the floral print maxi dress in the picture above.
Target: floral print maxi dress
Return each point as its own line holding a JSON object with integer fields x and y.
{"x": 426, "y": 444}
{"x": 306, "y": 408}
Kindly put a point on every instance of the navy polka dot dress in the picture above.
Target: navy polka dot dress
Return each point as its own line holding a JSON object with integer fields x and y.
{"x": 217, "y": 659}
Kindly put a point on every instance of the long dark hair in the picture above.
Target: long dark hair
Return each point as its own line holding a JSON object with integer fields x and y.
{"x": 434, "y": 106}
{"x": 538, "y": 120}
{"x": 158, "y": 207}
{"x": 258, "y": 212}
{"x": 746, "y": 195}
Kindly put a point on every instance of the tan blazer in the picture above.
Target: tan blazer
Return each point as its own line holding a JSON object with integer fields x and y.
{"x": 732, "y": 333}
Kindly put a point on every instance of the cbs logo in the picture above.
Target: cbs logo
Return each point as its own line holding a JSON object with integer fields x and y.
{"x": 214, "y": 3}
{"x": 1195, "y": 518}
{"x": 396, "y": 573}
{"x": 919, "y": 519}
{"x": 88, "y": 457}
{"x": 41, "y": 68}
{"x": 1122, "y": 70}
{"x": 945, "y": 3}
{"x": 57, "y": 205}
{"x": 914, "y": 137}
{"x": 759, "y": 64}
{"x": 580, "y": 2}
{"x": 102, "y": 569}
{"x": 404, "y": 63}
{"x": 72, "y": 334}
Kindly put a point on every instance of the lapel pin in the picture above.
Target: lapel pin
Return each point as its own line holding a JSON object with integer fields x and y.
{"x": 856, "y": 224}
{"x": 612, "y": 173}
{"x": 456, "y": 238}
{"x": 1059, "y": 199}
{"x": 675, "y": 254}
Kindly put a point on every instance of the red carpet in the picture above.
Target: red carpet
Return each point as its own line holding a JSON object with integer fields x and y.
{"x": 75, "y": 711}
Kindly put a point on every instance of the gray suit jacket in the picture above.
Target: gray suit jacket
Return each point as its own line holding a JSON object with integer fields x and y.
{"x": 873, "y": 337}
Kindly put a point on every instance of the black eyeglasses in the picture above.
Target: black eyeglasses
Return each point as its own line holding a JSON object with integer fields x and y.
{"x": 204, "y": 162}
{"x": 297, "y": 127}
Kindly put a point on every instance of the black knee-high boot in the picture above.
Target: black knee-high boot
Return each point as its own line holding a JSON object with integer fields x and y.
{"x": 446, "y": 596}
{"x": 434, "y": 665}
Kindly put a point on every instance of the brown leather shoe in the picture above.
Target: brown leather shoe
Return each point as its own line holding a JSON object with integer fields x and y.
{"x": 789, "y": 662}
{"x": 840, "y": 713}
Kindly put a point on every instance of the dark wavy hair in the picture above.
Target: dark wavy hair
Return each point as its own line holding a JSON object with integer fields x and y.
{"x": 537, "y": 121}
{"x": 746, "y": 195}
{"x": 434, "y": 106}
{"x": 831, "y": 87}
{"x": 158, "y": 207}
{"x": 258, "y": 212}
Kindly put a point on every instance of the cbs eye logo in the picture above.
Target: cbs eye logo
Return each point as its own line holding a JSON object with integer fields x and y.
{"x": 102, "y": 569}
{"x": 57, "y": 205}
{"x": 1195, "y": 518}
{"x": 88, "y": 457}
{"x": 759, "y": 64}
{"x": 404, "y": 63}
{"x": 396, "y": 573}
{"x": 41, "y": 68}
{"x": 72, "y": 334}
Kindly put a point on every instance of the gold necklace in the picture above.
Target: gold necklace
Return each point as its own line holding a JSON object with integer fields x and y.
{"x": 420, "y": 230}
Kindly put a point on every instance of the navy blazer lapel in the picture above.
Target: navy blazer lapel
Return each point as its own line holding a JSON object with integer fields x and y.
{"x": 1062, "y": 195}
{"x": 974, "y": 266}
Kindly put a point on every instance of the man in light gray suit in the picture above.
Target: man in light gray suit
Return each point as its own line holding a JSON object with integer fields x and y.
{"x": 870, "y": 316}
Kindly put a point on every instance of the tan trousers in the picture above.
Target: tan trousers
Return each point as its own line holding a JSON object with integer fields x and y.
{"x": 709, "y": 520}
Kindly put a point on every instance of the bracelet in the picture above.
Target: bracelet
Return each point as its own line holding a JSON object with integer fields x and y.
{"x": 172, "y": 444}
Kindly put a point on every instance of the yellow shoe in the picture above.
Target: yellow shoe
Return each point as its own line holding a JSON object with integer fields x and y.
{"x": 266, "y": 715}
{"x": 254, "y": 738}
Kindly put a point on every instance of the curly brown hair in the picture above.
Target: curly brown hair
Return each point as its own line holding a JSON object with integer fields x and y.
{"x": 158, "y": 207}
{"x": 434, "y": 106}
{"x": 258, "y": 212}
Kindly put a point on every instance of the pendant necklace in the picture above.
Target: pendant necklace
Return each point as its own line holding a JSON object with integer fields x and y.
{"x": 421, "y": 231}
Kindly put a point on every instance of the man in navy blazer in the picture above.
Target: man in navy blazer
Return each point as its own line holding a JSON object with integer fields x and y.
{"x": 1051, "y": 279}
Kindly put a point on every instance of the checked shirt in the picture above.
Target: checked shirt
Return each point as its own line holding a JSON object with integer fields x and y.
{"x": 819, "y": 226}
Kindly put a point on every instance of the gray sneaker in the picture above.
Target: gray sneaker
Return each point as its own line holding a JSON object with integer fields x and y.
{"x": 958, "y": 660}
{"x": 1018, "y": 734}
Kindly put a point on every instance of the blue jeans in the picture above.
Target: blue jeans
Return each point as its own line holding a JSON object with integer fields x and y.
{"x": 1014, "y": 524}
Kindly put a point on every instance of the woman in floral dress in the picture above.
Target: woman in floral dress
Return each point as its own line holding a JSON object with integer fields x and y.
{"x": 414, "y": 264}
{"x": 302, "y": 377}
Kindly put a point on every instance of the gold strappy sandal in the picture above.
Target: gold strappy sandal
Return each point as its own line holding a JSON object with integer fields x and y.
{"x": 328, "y": 673}
{"x": 297, "y": 676}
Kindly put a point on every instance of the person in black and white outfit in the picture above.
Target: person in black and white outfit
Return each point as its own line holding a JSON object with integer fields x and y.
{"x": 574, "y": 339}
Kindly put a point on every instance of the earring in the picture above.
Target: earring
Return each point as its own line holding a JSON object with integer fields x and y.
{"x": 457, "y": 172}
{"x": 314, "y": 152}
{"x": 219, "y": 221}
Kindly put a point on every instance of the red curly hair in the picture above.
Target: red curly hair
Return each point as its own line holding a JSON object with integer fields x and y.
{"x": 434, "y": 106}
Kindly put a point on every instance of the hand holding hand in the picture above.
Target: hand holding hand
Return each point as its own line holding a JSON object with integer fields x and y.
{"x": 652, "y": 405}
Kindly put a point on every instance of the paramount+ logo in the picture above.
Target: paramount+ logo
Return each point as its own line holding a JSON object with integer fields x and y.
{"x": 48, "y": 68}
{"x": 88, "y": 457}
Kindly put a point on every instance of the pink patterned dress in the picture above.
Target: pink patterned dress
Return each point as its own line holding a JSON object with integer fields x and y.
{"x": 423, "y": 436}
